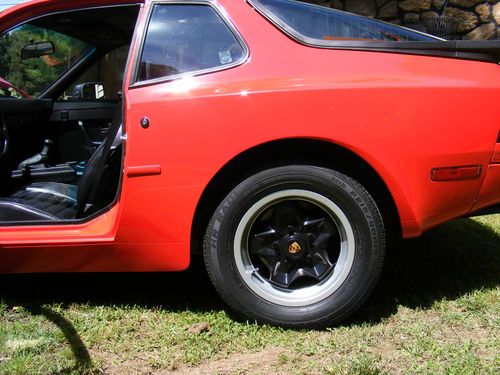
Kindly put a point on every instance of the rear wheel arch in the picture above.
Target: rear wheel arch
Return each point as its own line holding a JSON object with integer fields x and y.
{"x": 284, "y": 152}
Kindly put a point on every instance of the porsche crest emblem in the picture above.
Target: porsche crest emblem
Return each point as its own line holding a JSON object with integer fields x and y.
{"x": 294, "y": 248}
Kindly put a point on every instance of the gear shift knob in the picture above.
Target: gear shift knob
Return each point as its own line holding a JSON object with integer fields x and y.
{"x": 46, "y": 147}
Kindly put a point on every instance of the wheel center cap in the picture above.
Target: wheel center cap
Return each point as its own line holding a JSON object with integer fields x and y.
{"x": 294, "y": 248}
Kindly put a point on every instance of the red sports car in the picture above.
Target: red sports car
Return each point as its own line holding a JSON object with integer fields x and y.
{"x": 282, "y": 140}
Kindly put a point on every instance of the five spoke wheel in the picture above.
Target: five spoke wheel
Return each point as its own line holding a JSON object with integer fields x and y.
{"x": 296, "y": 246}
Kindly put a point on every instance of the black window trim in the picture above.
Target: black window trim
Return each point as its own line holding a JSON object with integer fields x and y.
{"x": 77, "y": 9}
{"x": 460, "y": 49}
{"x": 135, "y": 82}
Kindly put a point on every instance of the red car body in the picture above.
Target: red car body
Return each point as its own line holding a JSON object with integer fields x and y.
{"x": 399, "y": 115}
{"x": 402, "y": 114}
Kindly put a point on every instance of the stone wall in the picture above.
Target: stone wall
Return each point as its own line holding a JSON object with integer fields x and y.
{"x": 450, "y": 19}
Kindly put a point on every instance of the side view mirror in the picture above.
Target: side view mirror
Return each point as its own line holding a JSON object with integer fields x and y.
{"x": 38, "y": 49}
{"x": 89, "y": 91}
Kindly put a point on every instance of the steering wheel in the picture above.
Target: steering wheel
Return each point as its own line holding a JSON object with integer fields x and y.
{"x": 4, "y": 138}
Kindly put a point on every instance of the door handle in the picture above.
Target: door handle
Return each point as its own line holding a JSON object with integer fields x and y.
{"x": 144, "y": 170}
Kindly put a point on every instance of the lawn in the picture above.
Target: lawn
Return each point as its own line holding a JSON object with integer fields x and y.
{"x": 436, "y": 310}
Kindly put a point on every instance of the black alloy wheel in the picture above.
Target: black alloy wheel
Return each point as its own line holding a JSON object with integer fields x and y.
{"x": 295, "y": 246}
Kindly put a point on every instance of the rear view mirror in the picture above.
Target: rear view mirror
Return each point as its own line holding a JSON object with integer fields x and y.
{"x": 38, "y": 49}
{"x": 89, "y": 91}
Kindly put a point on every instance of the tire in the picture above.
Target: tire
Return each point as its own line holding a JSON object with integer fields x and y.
{"x": 295, "y": 246}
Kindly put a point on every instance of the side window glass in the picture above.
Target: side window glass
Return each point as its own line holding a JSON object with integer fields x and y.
{"x": 31, "y": 75}
{"x": 186, "y": 38}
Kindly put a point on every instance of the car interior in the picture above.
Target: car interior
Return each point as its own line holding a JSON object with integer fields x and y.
{"x": 60, "y": 149}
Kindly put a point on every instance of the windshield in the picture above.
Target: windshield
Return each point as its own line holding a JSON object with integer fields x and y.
{"x": 10, "y": 3}
{"x": 34, "y": 75}
{"x": 322, "y": 23}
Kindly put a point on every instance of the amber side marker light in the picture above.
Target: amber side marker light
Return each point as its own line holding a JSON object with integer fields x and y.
{"x": 466, "y": 172}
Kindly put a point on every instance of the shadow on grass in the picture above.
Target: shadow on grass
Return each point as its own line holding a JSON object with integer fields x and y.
{"x": 82, "y": 357}
{"x": 449, "y": 261}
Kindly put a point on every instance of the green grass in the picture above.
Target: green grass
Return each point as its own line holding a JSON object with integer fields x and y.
{"x": 435, "y": 310}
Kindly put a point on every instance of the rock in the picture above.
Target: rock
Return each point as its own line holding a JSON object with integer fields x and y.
{"x": 415, "y": 5}
{"x": 429, "y": 20}
{"x": 381, "y": 2}
{"x": 496, "y": 13}
{"x": 483, "y": 32}
{"x": 438, "y": 4}
{"x": 363, "y": 7}
{"x": 337, "y": 4}
{"x": 483, "y": 11}
{"x": 411, "y": 18}
{"x": 430, "y": 15}
{"x": 389, "y": 10}
{"x": 465, "y": 20}
{"x": 439, "y": 26}
{"x": 465, "y": 3}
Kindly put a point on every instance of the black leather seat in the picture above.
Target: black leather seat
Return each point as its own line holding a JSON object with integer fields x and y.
{"x": 51, "y": 201}
{"x": 40, "y": 201}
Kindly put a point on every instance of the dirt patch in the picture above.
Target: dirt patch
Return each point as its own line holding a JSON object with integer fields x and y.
{"x": 262, "y": 362}
{"x": 113, "y": 363}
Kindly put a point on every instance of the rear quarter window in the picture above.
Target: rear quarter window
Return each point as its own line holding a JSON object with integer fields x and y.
{"x": 186, "y": 39}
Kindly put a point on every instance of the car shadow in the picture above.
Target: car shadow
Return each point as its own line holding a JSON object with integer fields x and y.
{"x": 447, "y": 262}
{"x": 175, "y": 291}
